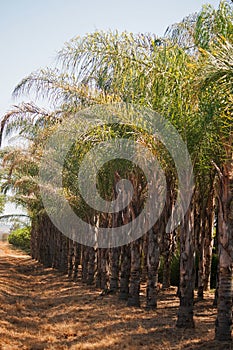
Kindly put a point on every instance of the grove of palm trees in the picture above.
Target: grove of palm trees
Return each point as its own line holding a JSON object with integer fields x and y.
{"x": 170, "y": 96}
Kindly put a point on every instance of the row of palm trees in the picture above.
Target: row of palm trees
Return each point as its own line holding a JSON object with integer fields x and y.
{"x": 186, "y": 77}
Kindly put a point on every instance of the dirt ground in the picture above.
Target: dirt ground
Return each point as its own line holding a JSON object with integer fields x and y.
{"x": 42, "y": 309}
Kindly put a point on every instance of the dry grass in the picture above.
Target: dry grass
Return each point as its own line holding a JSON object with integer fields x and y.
{"x": 42, "y": 309}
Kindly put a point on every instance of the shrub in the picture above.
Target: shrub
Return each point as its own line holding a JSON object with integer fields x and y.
{"x": 20, "y": 238}
{"x": 175, "y": 270}
{"x": 214, "y": 268}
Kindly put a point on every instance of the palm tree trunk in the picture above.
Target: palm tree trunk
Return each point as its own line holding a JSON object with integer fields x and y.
{"x": 199, "y": 235}
{"x": 70, "y": 257}
{"x": 225, "y": 251}
{"x": 84, "y": 263}
{"x": 114, "y": 257}
{"x": 224, "y": 318}
{"x": 77, "y": 259}
{"x": 91, "y": 265}
{"x": 153, "y": 265}
{"x": 64, "y": 254}
{"x": 114, "y": 268}
{"x": 125, "y": 272}
{"x": 135, "y": 274}
{"x": 208, "y": 245}
{"x": 201, "y": 262}
{"x": 33, "y": 244}
{"x": 104, "y": 276}
{"x": 167, "y": 258}
{"x": 167, "y": 247}
{"x": 215, "y": 302}
{"x": 144, "y": 258}
{"x": 168, "y": 250}
{"x": 205, "y": 245}
{"x": 186, "y": 288}
{"x": 57, "y": 248}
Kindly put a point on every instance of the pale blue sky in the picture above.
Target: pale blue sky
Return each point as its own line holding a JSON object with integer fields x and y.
{"x": 32, "y": 31}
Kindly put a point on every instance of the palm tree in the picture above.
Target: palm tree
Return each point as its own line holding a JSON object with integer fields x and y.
{"x": 213, "y": 35}
{"x": 110, "y": 67}
{"x": 204, "y": 224}
{"x": 200, "y": 32}
{"x": 217, "y": 76}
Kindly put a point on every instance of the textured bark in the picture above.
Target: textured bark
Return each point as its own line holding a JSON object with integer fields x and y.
{"x": 208, "y": 243}
{"x": 133, "y": 210}
{"x": 34, "y": 238}
{"x": 225, "y": 250}
{"x": 224, "y": 318}
{"x": 167, "y": 245}
{"x": 91, "y": 266}
{"x": 45, "y": 237}
{"x": 57, "y": 248}
{"x": 205, "y": 245}
{"x": 144, "y": 258}
{"x": 84, "y": 260}
{"x": 105, "y": 269}
{"x": 126, "y": 253}
{"x": 49, "y": 246}
{"x": 104, "y": 272}
{"x": 125, "y": 272}
{"x": 135, "y": 274}
{"x": 168, "y": 248}
{"x": 70, "y": 257}
{"x": 153, "y": 265}
{"x": 114, "y": 268}
{"x": 64, "y": 254}
{"x": 98, "y": 269}
{"x": 199, "y": 237}
{"x": 77, "y": 260}
{"x": 167, "y": 258}
{"x": 187, "y": 274}
{"x": 53, "y": 243}
{"x": 215, "y": 302}
{"x": 114, "y": 255}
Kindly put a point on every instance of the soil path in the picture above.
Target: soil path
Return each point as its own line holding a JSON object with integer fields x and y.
{"x": 41, "y": 309}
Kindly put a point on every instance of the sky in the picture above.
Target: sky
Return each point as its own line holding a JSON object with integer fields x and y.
{"x": 32, "y": 32}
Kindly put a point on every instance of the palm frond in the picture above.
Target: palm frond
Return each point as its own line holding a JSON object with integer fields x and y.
{"x": 21, "y": 117}
{"x": 219, "y": 65}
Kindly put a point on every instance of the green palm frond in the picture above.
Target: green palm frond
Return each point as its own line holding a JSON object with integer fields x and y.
{"x": 212, "y": 23}
{"x": 182, "y": 33}
{"x": 21, "y": 117}
{"x": 218, "y": 67}
{"x": 56, "y": 87}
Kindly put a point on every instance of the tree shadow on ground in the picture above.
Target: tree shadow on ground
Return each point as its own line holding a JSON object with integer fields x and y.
{"x": 43, "y": 309}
